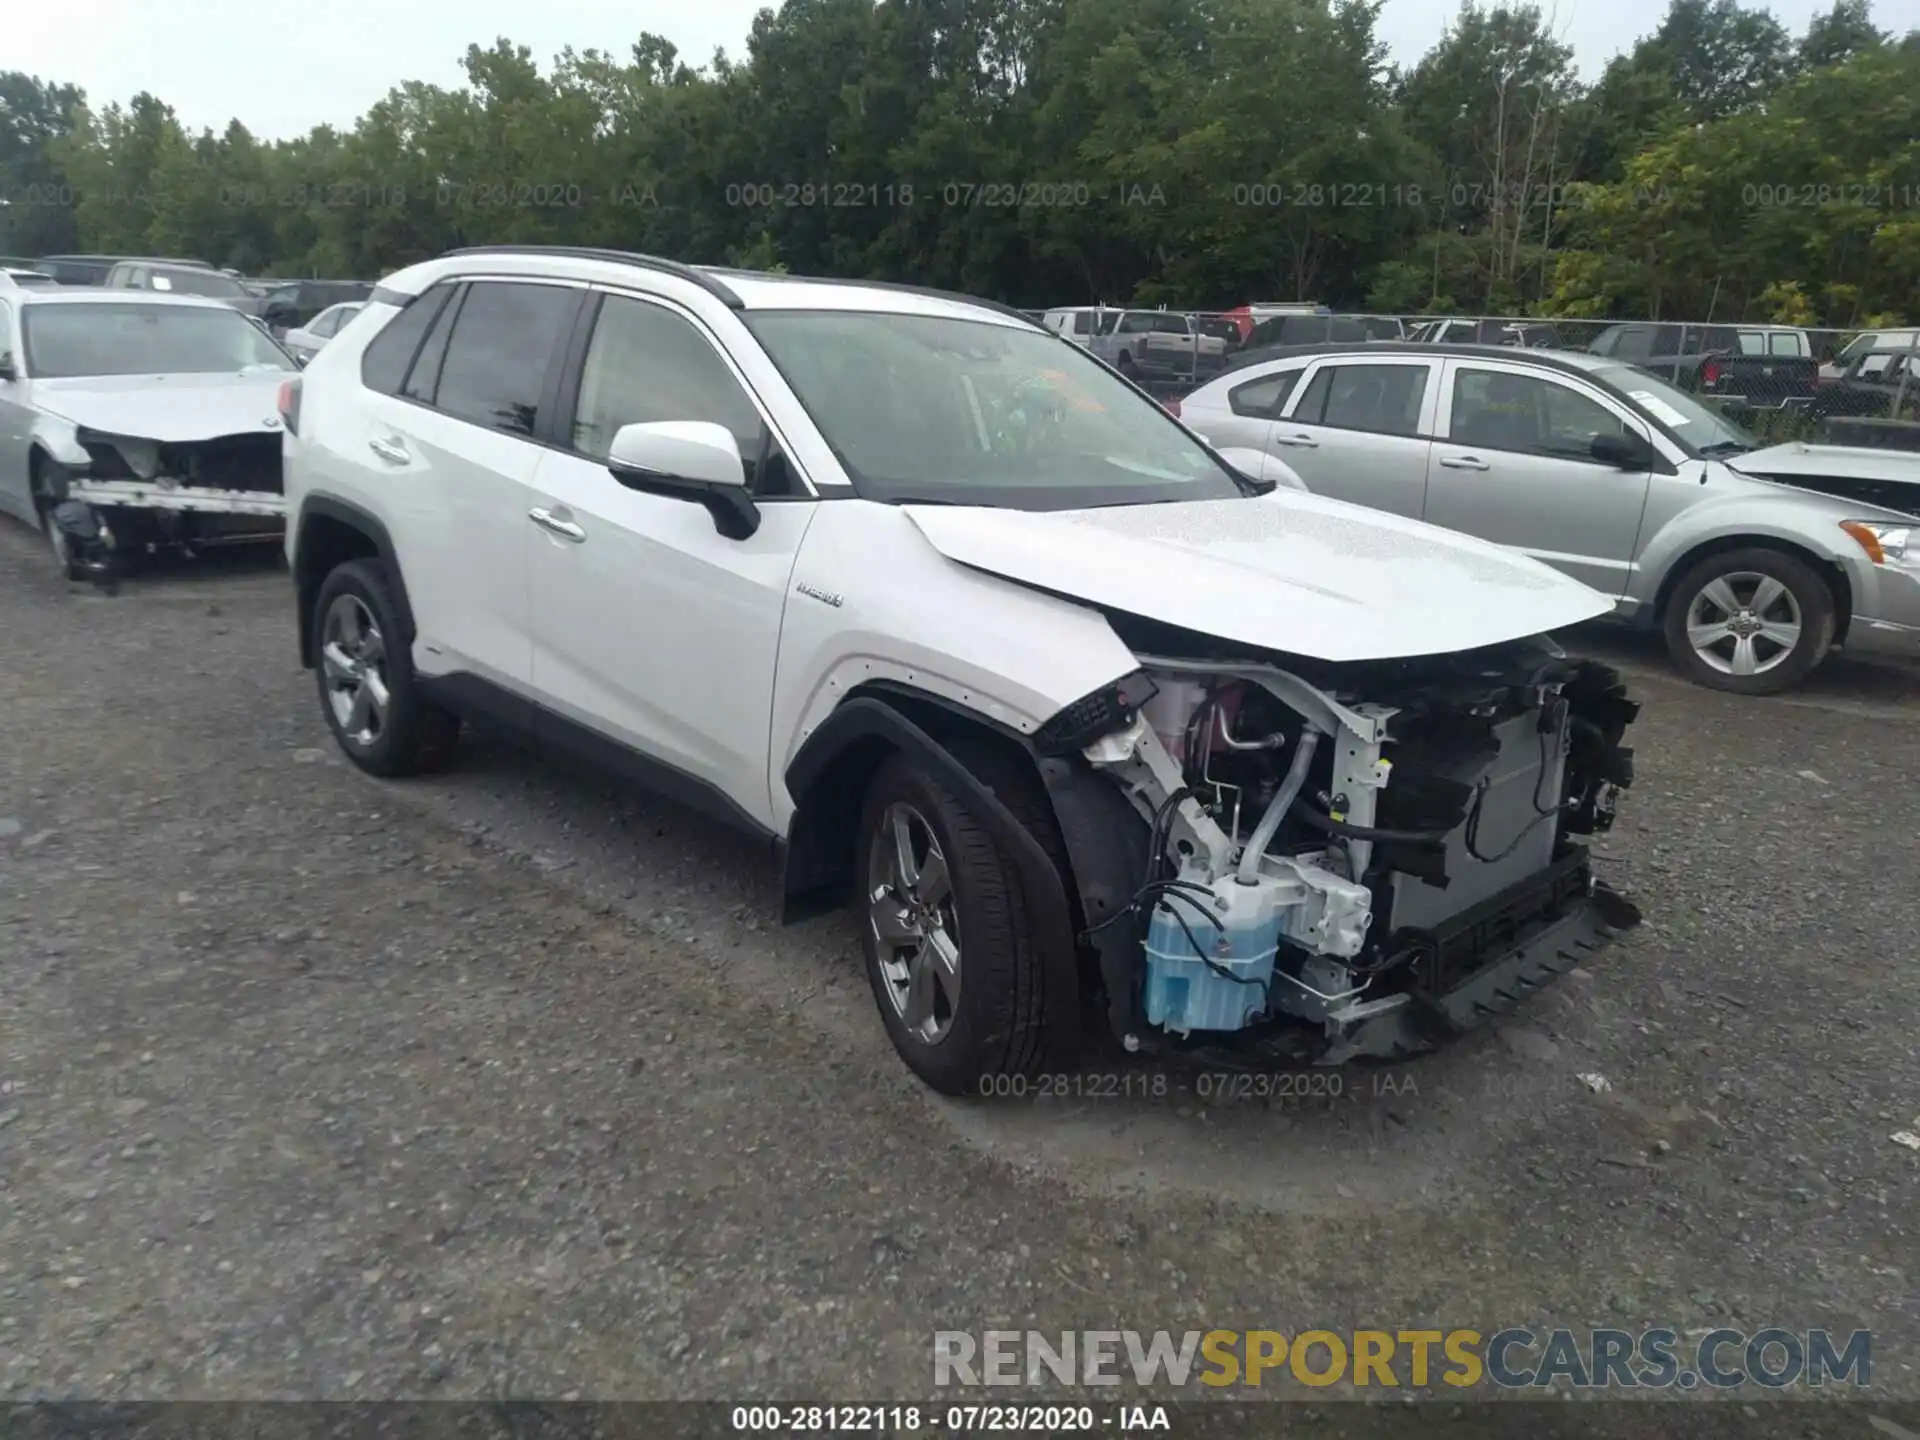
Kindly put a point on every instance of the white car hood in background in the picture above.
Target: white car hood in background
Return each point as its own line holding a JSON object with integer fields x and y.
{"x": 170, "y": 408}
{"x": 1287, "y": 571}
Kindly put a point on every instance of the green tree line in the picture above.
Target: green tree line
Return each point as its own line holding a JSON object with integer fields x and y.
{"x": 1198, "y": 153}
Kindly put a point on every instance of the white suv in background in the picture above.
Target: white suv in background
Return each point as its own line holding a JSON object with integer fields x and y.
{"x": 1090, "y": 726}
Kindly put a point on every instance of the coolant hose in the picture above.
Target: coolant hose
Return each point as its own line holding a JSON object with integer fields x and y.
{"x": 1282, "y": 802}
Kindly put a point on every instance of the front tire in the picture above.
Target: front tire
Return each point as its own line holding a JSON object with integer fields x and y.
{"x": 956, "y": 968}
{"x": 49, "y": 482}
{"x": 1754, "y": 622}
{"x": 368, "y": 691}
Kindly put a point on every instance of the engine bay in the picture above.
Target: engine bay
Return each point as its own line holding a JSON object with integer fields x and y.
{"x": 1330, "y": 848}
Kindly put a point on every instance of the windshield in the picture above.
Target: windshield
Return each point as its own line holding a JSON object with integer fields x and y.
{"x": 63, "y": 341}
{"x": 966, "y": 412}
{"x": 1698, "y": 426}
{"x": 209, "y": 283}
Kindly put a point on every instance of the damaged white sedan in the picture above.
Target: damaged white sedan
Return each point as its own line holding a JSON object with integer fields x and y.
{"x": 1101, "y": 738}
{"x": 131, "y": 421}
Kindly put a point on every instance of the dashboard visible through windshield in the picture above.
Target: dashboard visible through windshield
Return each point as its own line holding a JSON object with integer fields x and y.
{"x": 963, "y": 412}
{"x": 1700, "y": 427}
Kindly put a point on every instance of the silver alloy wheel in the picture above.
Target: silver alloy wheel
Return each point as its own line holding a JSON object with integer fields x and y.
{"x": 915, "y": 930}
{"x": 353, "y": 655}
{"x": 1744, "y": 623}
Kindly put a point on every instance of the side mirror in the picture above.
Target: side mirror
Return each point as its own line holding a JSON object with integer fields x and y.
{"x": 7, "y": 369}
{"x": 1624, "y": 452}
{"x": 688, "y": 460}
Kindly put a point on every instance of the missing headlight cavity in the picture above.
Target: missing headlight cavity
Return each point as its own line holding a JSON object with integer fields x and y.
{"x": 247, "y": 463}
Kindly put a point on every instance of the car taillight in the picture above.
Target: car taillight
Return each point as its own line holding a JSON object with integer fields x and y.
{"x": 1710, "y": 373}
{"x": 290, "y": 406}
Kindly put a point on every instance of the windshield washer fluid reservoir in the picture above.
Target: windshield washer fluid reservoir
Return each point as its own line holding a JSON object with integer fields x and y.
{"x": 1239, "y": 933}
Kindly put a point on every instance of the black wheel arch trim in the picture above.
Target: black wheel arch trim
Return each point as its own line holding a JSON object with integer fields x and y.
{"x": 306, "y": 586}
{"x": 868, "y": 717}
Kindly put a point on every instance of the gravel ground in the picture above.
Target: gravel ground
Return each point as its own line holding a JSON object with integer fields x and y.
{"x": 509, "y": 1084}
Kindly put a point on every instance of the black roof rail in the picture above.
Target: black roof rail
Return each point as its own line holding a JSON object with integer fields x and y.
{"x": 693, "y": 274}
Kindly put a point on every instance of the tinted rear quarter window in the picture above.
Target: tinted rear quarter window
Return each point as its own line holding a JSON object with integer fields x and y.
{"x": 496, "y": 362}
{"x": 423, "y": 381}
{"x": 389, "y": 354}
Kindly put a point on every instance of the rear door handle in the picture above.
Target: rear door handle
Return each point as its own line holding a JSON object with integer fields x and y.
{"x": 1306, "y": 442}
{"x": 392, "y": 451}
{"x": 1463, "y": 462}
{"x": 554, "y": 525}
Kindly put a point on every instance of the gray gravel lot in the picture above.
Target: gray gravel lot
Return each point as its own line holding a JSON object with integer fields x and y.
{"x": 508, "y": 1083}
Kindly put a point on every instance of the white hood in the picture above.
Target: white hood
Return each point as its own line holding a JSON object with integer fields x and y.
{"x": 1287, "y": 571}
{"x": 171, "y": 408}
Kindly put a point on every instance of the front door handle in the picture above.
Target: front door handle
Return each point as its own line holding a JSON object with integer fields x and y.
{"x": 1306, "y": 442}
{"x": 392, "y": 451}
{"x": 1463, "y": 462}
{"x": 554, "y": 525}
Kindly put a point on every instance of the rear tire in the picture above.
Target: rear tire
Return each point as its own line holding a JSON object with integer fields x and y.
{"x": 368, "y": 691}
{"x": 957, "y": 970}
{"x": 1753, "y": 622}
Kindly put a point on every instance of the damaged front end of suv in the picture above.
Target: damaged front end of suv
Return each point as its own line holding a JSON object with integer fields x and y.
{"x": 1283, "y": 860}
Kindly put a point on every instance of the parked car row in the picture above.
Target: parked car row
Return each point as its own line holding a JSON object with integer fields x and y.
{"x": 281, "y": 305}
{"x": 1224, "y": 723}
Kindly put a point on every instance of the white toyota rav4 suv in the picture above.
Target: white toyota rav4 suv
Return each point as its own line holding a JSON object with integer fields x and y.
{"x": 1106, "y": 741}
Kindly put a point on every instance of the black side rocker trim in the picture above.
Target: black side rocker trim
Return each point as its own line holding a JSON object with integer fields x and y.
{"x": 864, "y": 717}
{"x": 516, "y": 718}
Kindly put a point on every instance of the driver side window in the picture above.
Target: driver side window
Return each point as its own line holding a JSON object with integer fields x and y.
{"x": 645, "y": 364}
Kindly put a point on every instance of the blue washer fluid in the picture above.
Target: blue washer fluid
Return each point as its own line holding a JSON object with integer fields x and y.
{"x": 1184, "y": 993}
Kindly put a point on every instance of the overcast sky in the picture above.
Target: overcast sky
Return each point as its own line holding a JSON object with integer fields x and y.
{"x": 283, "y": 68}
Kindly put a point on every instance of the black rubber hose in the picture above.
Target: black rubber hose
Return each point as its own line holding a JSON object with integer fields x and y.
{"x": 1327, "y": 825}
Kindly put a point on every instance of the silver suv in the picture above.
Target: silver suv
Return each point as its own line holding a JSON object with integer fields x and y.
{"x": 1603, "y": 471}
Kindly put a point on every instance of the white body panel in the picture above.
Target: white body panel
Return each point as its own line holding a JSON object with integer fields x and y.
{"x": 168, "y": 408}
{"x": 1291, "y": 572}
{"x": 1003, "y": 651}
{"x": 656, "y": 630}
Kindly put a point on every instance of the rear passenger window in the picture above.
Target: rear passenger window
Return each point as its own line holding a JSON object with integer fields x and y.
{"x": 389, "y": 355}
{"x": 1381, "y": 399}
{"x": 1262, "y": 398}
{"x": 496, "y": 360}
